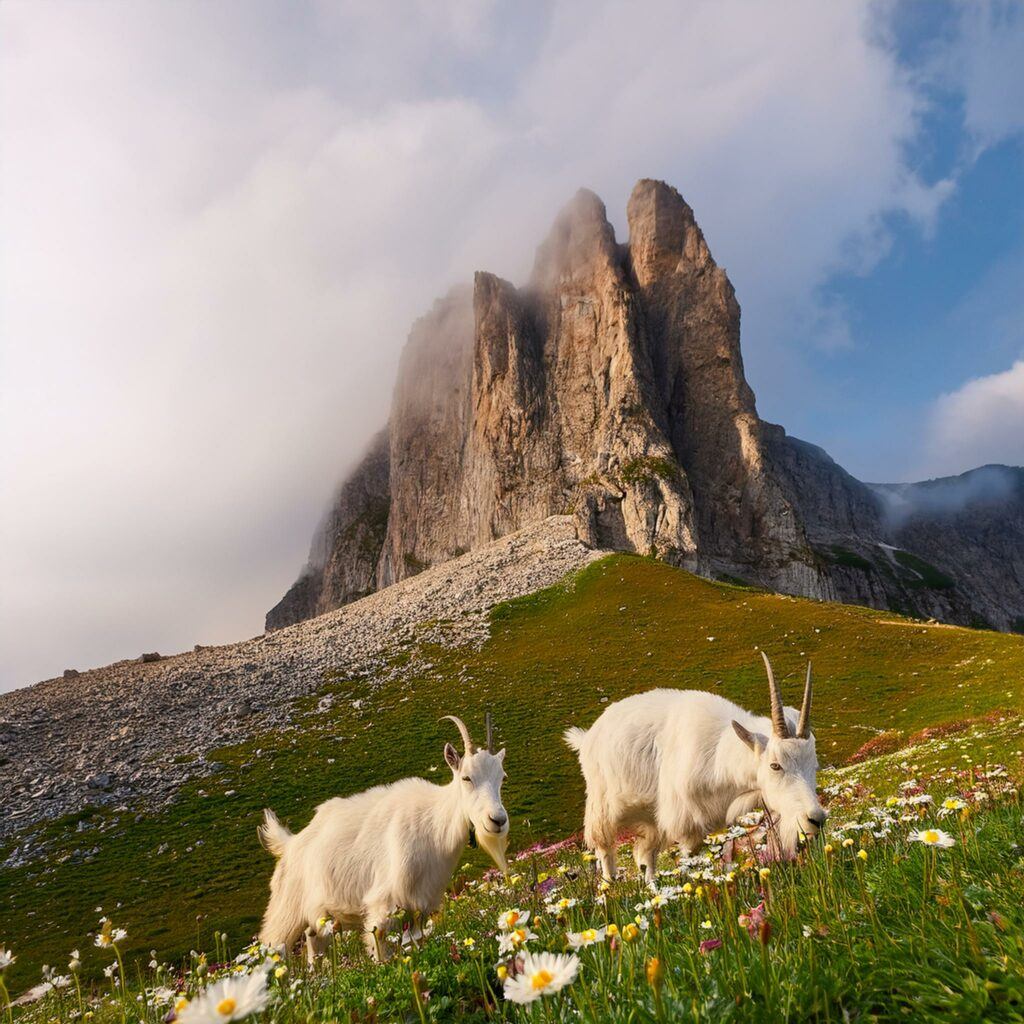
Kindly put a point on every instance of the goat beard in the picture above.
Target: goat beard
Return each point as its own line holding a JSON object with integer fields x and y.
{"x": 494, "y": 846}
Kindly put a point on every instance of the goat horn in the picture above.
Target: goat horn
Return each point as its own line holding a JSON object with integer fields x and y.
{"x": 803, "y": 729}
{"x": 779, "y": 725}
{"x": 489, "y": 728}
{"x": 464, "y": 732}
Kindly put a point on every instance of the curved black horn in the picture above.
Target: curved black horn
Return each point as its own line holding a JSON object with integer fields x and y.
{"x": 464, "y": 732}
{"x": 803, "y": 728}
{"x": 779, "y": 726}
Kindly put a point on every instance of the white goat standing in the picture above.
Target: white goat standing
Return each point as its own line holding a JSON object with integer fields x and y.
{"x": 676, "y": 765}
{"x": 389, "y": 848}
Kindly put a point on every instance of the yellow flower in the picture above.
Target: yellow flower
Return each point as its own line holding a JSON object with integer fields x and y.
{"x": 700, "y": 890}
{"x": 655, "y": 972}
{"x": 515, "y": 879}
{"x": 469, "y": 943}
{"x": 502, "y": 972}
{"x": 764, "y": 874}
{"x": 630, "y": 932}
{"x": 687, "y": 888}
{"x": 543, "y": 876}
{"x": 613, "y": 929}
{"x": 828, "y": 849}
{"x": 862, "y": 854}
{"x": 847, "y": 843}
{"x": 281, "y": 971}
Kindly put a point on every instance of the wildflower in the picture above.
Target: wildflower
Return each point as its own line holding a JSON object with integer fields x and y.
{"x": 564, "y": 904}
{"x": 706, "y": 925}
{"x": 630, "y": 932}
{"x": 655, "y": 973}
{"x": 60, "y": 981}
{"x": 6, "y": 958}
{"x": 232, "y": 998}
{"x": 469, "y": 942}
{"x": 109, "y": 935}
{"x": 542, "y": 974}
{"x": 612, "y": 930}
{"x": 862, "y": 854}
{"x": 847, "y": 843}
{"x": 502, "y": 972}
{"x": 828, "y": 849}
{"x": 511, "y": 941}
{"x": 753, "y": 919}
{"x": 325, "y": 927}
{"x": 74, "y": 961}
{"x": 932, "y": 837}
{"x": 514, "y": 918}
{"x": 110, "y": 971}
{"x": 281, "y": 971}
{"x": 764, "y": 874}
{"x": 709, "y": 944}
{"x": 587, "y": 937}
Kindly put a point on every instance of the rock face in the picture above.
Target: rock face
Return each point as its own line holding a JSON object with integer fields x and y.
{"x": 611, "y": 387}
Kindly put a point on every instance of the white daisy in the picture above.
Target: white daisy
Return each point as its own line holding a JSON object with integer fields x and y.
{"x": 6, "y": 957}
{"x": 514, "y": 918}
{"x": 231, "y": 998}
{"x": 512, "y": 940}
{"x": 932, "y": 837}
{"x": 560, "y": 906}
{"x": 587, "y": 937}
{"x": 543, "y": 974}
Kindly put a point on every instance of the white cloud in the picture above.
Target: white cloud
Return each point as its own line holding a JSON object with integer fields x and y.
{"x": 982, "y": 422}
{"x": 987, "y": 65}
{"x": 218, "y": 222}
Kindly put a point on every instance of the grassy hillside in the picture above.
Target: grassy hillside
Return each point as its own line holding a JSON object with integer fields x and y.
{"x": 623, "y": 625}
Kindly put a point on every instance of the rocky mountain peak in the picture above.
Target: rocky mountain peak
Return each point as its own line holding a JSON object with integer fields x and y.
{"x": 581, "y": 243}
{"x": 612, "y": 388}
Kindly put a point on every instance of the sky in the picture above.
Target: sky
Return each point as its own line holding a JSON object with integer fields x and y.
{"x": 218, "y": 221}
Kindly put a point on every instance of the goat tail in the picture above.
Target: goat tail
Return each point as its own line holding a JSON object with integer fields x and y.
{"x": 574, "y": 737}
{"x": 272, "y": 834}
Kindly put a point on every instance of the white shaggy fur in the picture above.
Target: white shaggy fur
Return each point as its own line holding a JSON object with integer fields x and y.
{"x": 675, "y": 765}
{"x": 389, "y": 848}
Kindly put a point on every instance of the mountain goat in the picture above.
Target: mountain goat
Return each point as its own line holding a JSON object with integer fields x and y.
{"x": 675, "y": 765}
{"x": 393, "y": 847}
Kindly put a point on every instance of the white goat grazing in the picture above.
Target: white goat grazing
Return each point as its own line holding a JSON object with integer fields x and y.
{"x": 675, "y": 765}
{"x": 390, "y": 848}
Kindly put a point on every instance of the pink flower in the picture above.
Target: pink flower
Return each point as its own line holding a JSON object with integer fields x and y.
{"x": 709, "y": 944}
{"x": 753, "y": 919}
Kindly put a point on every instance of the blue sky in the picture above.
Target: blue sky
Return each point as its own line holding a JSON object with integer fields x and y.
{"x": 945, "y": 303}
{"x": 217, "y": 222}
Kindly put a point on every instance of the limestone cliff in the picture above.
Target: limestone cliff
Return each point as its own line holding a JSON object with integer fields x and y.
{"x": 611, "y": 386}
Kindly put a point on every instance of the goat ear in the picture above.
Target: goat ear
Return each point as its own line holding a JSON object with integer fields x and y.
{"x": 747, "y": 736}
{"x": 452, "y": 757}
{"x": 500, "y": 755}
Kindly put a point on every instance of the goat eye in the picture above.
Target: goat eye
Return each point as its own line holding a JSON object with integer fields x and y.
{"x": 466, "y": 778}
{"x": 775, "y": 766}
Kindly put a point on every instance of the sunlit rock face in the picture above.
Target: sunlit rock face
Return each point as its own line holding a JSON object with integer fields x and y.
{"x": 611, "y": 386}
